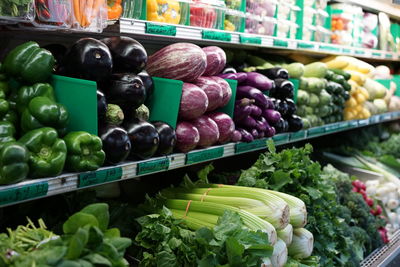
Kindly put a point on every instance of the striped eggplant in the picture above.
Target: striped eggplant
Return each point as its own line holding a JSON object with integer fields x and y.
{"x": 179, "y": 61}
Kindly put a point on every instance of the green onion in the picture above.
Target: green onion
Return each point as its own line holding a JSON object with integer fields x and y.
{"x": 250, "y": 221}
{"x": 286, "y": 234}
{"x": 280, "y": 255}
{"x": 302, "y": 244}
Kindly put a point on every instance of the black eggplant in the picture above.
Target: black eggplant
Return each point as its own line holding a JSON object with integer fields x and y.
{"x": 127, "y": 53}
{"x": 88, "y": 59}
{"x": 282, "y": 107}
{"x": 144, "y": 138}
{"x": 126, "y": 90}
{"x": 291, "y": 106}
{"x": 147, "y": 82}
{"x": 167, "y": 138}
{"x": 274, "y": 73}
{"x": 283, "y": 89}
{"x": 295, "y": 123}
{"x": 101, "y": 105}
{"x": 281, "y": 126}
{"x": 116, "y": 143}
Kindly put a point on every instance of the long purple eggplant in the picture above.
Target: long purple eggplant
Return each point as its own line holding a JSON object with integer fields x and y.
{"x": 240, "y": 77}
{"x": 246, "y": 136}
{"x": 270, "y": 131}
{"x": 241, "y": 112}
{"x": 259, "y": 81}
{"x": 248, "y": 122}
{"x": 253, "y": 93}
{"x": 262, "y": 124}
{"x": 255, "y": 133}
{"x": 255, "y": 111}
{"x": 271, "y": 115}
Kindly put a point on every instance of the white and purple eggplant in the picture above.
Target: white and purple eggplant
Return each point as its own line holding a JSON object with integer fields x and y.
{"x": 226, "y": 90}
{"x": 225, "y": 124}
{"x": 187, "y": 136}
{"x": 236, "y": 136}
{"x": 216, "y": 60}
{"x": 208, "y": 130}
{"x": 194, "y": 102}
{"x": 213, "y": 91}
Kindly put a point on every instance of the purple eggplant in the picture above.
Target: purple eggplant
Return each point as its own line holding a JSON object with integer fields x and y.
{"x": 271, "y": 115}
{"x": 246, "y": 136}
{"x": 240, "y": 77}
{"x": 259, "y": 81}
{"x": 244, "y": 102}
{"x": 236, "y": 136}
{"x": 270, "y": 131}
{"x": 254, "y": 93}
{"x": 241, "y": 112}
{"x": 255, "y": 111}
{"x": 262, "y": 124}
{"x": 247, "y": 122}
{"x": 261, "y": 135}
{"x": 255, "y": 134}
{"x": 228, "y": 70}
{"x": 270, "y": 102}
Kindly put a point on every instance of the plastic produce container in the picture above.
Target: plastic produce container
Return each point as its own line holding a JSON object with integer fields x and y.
{"x": 346, "y": 24}
{"x": 90, "y": 18}
{"x": 284, "y": 10}
{"x": 258, "y": 25}
{"x": 386, "y": 39}
{"x": 283, "y": 28}
{"x": 235, "y": 4}
{"x": 262, "y": 8}
{"x": 234, "y": 20}
{"x": 133, "y": 9}
{"x": 168, "y": 11}
{"x": 53, "y": 13}
{"x": 370, "y": 31}
{"x": 207, "y": 14}
{"x": 322, "y": 35}
{"x": 18, "y": 12}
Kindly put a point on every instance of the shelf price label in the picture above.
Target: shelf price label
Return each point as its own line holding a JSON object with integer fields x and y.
{"x": 374, "y": 119}
{"x": 25, "y": 192}
{"x": 168, "y": 30}
{"x": 332, "y": 127}
{"x": 386, "y": 117}
{"x": 375, "y": 54}
{"x": 250, "y": 39}
{"x": 315, "y": 131}
{"x": 281, "y": 138}
{"x": 253, "y": 145}
{"x": 360, "y": 52}
{"x": 306, "y": 45}
{"x": 343, "y": 125}
{"x": 329, "y": 48}
{"x": 152, "y": 166}
{"x": 298, "y": 135}
{"x": 363, "y": 122}
{"x": 388, "y": 56}
{"x": 280, "y": 43}
{"x": 204, "y": 155}
{"x": 346, "y": 50}
{"x": 99, "y": 177}
{"x": 353, "y": 124}
{"x": 215, "y": 35}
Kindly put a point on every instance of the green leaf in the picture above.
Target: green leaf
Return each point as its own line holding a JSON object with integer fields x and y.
{"x": 280, "y": 178}
{"x": 235, "y": 251}
{"x": 112, "y": 232}
{"x": 77, "y": 243}
{"x": 98, "y": 260}
{"x": 79, "y": 220}
{"x": 95, "y": 237}
{"x": 204, "y": 172}
{"x": 120, "y": 243}
{"x": 100, "y": 211}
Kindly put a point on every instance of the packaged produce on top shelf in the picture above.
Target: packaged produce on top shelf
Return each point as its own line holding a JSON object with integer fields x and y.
{"x": 260, "y": 17}
{"x": 370, "y": 30}
{"x": 386, "y": 39}
{"x": 17, "y": 10}
{"x": 114, "y": 9}
{"x": 207, "y": 14}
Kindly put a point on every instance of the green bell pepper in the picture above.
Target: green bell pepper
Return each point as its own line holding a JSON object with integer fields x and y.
{"x": 47, "y": 152}
{"x": 27, "y": 93}
{"x": 42, "y": 112}
{"x": 11, "y": 116}
{"x": 7, "y": 132}
{"x": 84, "y": 152}
{"x": 4, "y": 107}
{"x": 4, "y": 88}
{"x": 29, "y": 63}
{"x": 14, "y": 158}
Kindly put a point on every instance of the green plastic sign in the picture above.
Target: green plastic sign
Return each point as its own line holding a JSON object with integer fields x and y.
{"x": 343, "y": 125}
{"x": 249, "y": 40}
{"x": 374, "y": 119}
{"x": 152, "y": 166}
{"x": 204, "y": 155}
{"x": 298, "y": 135}
{"x": 346, "y": 50}
{"x": 360, "y": 52}
{"x": 376, "y": 54}
{"x": 353, "y": 124}
{"x": 388, "y": 55}
{"x": 168, "y": 30}
{"x": 254, "y": 145}
{"x": 215, "y": 35}
{"x": 306, "y": 45}
{"x": 280, "y": 43}
{"x": 316, "y": 131}
{"x": 280, "y": 138}
{"x": 99, "y": 177}
{"x": 25, "y": 192}
{"x": 386, "y": 117}
{"x": 363, "y": 122}
{"x": 332, "y": 127}
{"x": 329, "y": 48}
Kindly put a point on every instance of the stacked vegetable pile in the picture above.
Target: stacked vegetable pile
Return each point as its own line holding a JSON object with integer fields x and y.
{"x": 200, "y": 124}
{"x": 336, "y": 216}
{"x": 117, "y": 65}
{"x": 30, "y": 114}
{"x": 86, "y": 241}
{"x": 268, "y": 214}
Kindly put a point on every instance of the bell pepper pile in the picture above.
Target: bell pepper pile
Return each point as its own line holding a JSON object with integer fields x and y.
{"x": 167, "y": 11}
{"x": 34, "y": 142}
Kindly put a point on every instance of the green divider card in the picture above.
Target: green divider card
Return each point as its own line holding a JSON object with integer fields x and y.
{"x": 168, "y": 30}
{"x": 346, "y": 50}
{"x": 364, "y": 122}
{"x": 229, "y": 108}
{"x": 343, "y": 124}
{"x": 281, "y": 43}
{"x": 282, "y": 138}
{"x": 386, "y": 117}
{"x": 331, "y": 127}
{"x": 216, "y": 35}
{"x": 353, "y": 124}
{"x": 360, "y": 52}
{"x": 151, "y": 166}
{"x": 385, "y": 83}
{"x": 374, "y": 119}
{"x": 300, "y": 135}
{"x": 305, "y": 45}
{"x": 250, "y": 39}
{"x": 388, "y": 56}
{"x": 329, "y": 48}
{"x": 375, "y": 54}
{"x": 21, "y": 193}
{"x": 296, "y": 83}
{"x": 80, "y": 99}
{"x": 253, "y": 145}
{"x": 165, "y": 100}
{"x": 396, "y": 80}
{"x": 99, "y": 176}
{"x": 204, "y": 155}
{"x": 316, "y": 131}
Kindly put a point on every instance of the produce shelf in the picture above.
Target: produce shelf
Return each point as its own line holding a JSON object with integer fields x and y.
{"x": 38, "y": 188}
{"x": 377, "y": 5}
{"x": 388, "y": 255}
{"x": 167, "y": 32}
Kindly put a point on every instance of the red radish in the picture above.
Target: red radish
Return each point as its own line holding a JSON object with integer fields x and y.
{"x": 358, "y": 184}
{"x": 378, "y": 210}
{"x": 372, "y": 212}
{"x": 194, "y": 102}
{"x": 213, "y": 91}
{"x": 363, "y": 193}
{"x": 370, "y": 201}
{"x": 354, "y": 189}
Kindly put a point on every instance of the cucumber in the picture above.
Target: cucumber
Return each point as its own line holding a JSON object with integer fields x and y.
{"x": 345, "y": 74}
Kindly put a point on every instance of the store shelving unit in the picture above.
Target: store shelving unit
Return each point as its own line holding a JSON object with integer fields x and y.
{"x": 388, "y": 255}
{"x": 38, "y": 188}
